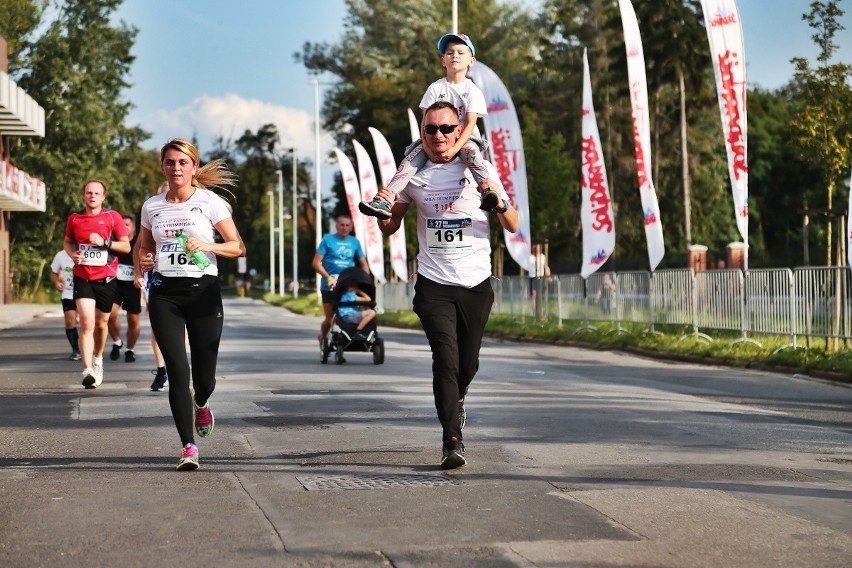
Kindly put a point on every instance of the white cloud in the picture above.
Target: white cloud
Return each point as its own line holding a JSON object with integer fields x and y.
{"x": 207, "y": 118}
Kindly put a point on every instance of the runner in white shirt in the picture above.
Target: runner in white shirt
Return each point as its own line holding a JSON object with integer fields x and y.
{"x": 453, "y": 294}
{"x": 62, "y": 276}
{"x": 185, "y": 298}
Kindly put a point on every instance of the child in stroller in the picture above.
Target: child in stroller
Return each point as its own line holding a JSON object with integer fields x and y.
{"x": 354, "y": 324}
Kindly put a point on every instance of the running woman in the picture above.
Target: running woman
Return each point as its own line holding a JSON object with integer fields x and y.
{"x": 186, "y": 299}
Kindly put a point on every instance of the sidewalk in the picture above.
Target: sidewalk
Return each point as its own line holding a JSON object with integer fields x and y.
{"x": 12, "y": 315}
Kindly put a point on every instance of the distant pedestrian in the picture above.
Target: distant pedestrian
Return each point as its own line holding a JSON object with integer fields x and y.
{"x": 453, "y": 294}
{"x": 185, "y": 299}
{"x": 93, "y": 236}
{"x": 62, "y": 276}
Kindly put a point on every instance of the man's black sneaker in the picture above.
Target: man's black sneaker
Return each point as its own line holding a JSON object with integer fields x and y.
{"x": 490, "y": 200}
{"x": 160, "y": 380}
{"x": 115, "y": 353}
{"x": 129, "y": 357}
{"x": 378, "y": 208}
{"x": 453, "y": 456}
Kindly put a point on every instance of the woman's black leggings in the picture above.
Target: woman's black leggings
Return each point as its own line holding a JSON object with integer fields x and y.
{"x": 194, "y": 305}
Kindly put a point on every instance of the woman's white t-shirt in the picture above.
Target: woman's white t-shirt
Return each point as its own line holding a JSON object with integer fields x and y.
{"x": 196, "y": 217}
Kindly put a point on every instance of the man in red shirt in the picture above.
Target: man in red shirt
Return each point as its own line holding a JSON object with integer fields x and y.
{"x": 93, "y": 236}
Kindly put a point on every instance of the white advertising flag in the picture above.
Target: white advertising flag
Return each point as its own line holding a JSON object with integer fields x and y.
{"x": 849, "y": 223}
{"x": 353, "y": 196}
{"x": 726, "y": 48}
{"x": 375, "y": 244}
{"x": 507, "y": 155}
{"x": 642, "y": 133}
{"x": 387, "y": 168}
{"x": 414, "y": 126}
{"x": 596, "y": 208}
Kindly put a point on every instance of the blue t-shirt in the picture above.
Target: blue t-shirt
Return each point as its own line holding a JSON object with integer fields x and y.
{"x": 338, "y": 254}
{"x": 348, "y": 296}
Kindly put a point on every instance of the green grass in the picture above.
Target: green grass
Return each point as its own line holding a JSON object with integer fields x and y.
{"x": 669, "y": 341}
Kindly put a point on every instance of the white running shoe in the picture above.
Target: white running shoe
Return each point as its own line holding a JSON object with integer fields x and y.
{"x": 98, "y": 371}
{"x": 89, "y": 379}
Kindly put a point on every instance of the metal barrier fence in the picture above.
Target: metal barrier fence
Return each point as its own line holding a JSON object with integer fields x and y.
{"x": 800, "y": 303}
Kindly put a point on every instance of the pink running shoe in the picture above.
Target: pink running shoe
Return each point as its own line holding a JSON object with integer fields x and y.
{"x": 203, "y": 419}
{"x": 188, "y": 459}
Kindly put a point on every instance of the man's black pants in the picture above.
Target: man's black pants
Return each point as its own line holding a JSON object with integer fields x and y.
{"x": 454, "y": 319}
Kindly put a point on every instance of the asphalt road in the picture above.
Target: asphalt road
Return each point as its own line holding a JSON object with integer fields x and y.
{"x": 576, "y": 458}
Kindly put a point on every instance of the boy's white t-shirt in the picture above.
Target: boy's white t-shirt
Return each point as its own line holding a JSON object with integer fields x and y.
{"x": 196, "y": 217}
{"x": 466, "y": 97}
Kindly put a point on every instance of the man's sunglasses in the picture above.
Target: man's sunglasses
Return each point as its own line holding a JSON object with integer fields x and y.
{"x": 434, "y": 128}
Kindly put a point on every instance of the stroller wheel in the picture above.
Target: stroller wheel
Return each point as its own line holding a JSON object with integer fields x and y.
{"x": 326, "y": 350}
{"x": 379, "y": 351}
{"x": 338, "y": 355}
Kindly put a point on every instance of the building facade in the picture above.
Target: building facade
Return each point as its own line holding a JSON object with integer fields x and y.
{"x": 20, "y": 115}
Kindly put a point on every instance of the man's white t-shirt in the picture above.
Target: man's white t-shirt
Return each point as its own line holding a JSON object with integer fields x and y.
{"x": 63, "y": 265}
{"x": 465, "y": 96}
{"x": 196, "y": 217}
{"x": 452, "y": 231}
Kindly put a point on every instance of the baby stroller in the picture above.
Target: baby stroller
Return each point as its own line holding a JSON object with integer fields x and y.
{"x": 342, "y": 337}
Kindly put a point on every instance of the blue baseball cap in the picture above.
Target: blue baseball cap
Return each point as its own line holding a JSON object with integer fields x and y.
{"x": 461, "y": 38}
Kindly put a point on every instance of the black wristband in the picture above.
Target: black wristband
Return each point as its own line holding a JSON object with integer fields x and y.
{"x": 107, "y": 243}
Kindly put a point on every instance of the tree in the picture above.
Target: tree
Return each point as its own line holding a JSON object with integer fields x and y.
{"x": 551, "y": 174}
{"x": 77, "y": 71}
{"x": 378, "y": 75}
{"x": 18, "y": 19}
{"x": 822, "y": 127}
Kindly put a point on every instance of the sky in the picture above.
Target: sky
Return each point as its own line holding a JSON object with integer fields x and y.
{"x": 210, "y": 68}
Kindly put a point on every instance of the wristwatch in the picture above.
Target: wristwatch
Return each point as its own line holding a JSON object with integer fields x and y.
{"x": 501, "y": 210}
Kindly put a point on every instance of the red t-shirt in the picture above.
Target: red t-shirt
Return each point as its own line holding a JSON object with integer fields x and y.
{"x": 97, "y": 262}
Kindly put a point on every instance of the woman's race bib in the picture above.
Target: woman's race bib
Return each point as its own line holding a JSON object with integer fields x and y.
{"x": 173, "y": 261}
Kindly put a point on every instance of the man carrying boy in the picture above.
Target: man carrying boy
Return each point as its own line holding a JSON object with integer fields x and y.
{"x": 457, "y": 56}
{"x": 452, "y": 294}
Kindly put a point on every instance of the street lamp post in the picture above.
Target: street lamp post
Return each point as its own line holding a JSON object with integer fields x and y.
{"x": 318, "y": 206}
{"x": 295, "y": 232}
{"x": 271, "y": 241}
{"x": 280, "y": 231}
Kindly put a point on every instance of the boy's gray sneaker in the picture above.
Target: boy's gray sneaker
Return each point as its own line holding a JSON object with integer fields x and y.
{"x": 490, "y": 200}
{"x": 378, "y": 208}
